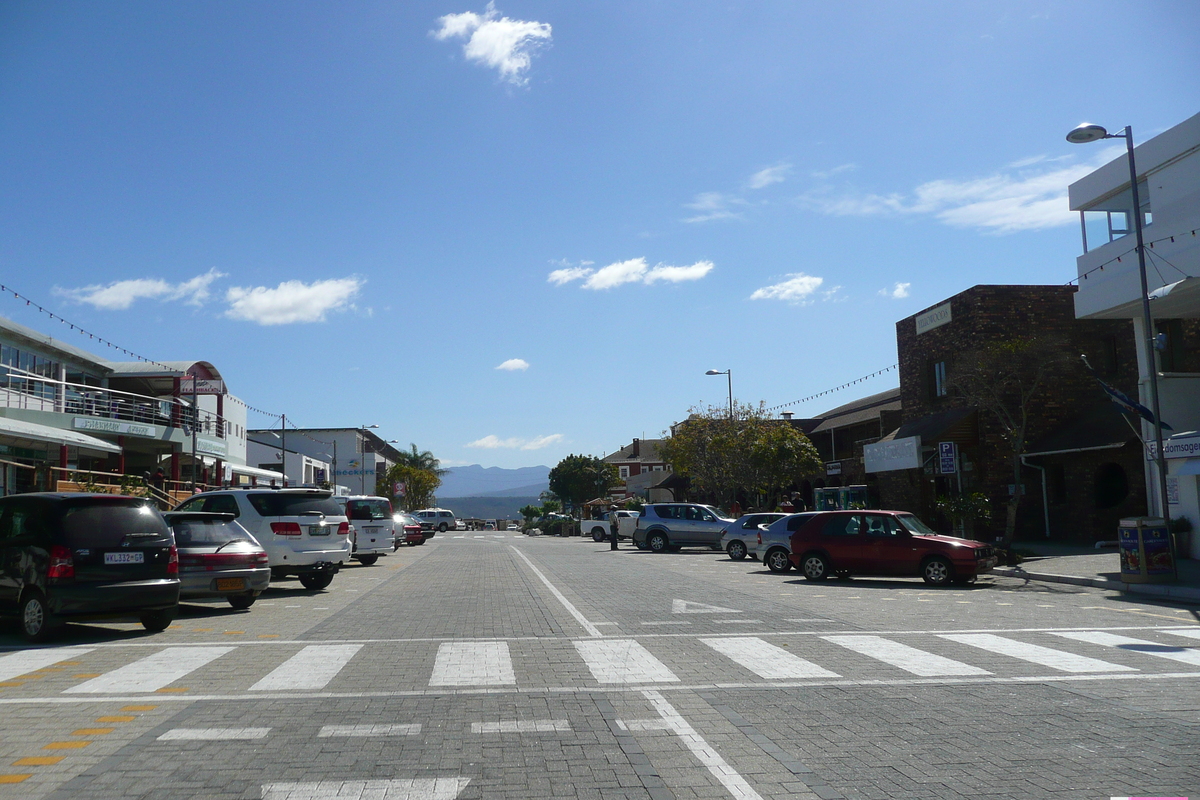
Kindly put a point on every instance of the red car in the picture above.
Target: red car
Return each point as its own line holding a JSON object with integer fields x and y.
{"x": 889, "y": 543}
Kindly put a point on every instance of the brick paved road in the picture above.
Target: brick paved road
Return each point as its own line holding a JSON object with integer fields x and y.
{"x": 514, "y": 667}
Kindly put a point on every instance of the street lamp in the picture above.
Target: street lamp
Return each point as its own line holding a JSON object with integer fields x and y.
{"x": 1089, "y": 133}
{"x": 729, "y": 374}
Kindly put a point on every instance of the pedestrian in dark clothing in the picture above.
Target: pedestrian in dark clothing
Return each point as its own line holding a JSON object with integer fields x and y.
{"x": 158, "y": 479}
{"x": 612, "y": 529}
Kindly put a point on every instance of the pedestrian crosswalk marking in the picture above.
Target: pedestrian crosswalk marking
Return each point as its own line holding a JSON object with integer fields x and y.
{"x": 312, "y": 668}
{"x": 766, "y": 660}
{"x": 341, "y": 731}
{"x": 153, "y": 672}
{"x": 1191, "y": 633}
{"x": 909, "y": 659}
{"x": 522, "y": 726}
{"x": 213, "y": 734}
{"x": 1046, "y": 656}
{"x": 25, "y": 661}
{"x": 623, "y": 661}
{"x": 1186, "y": 655}
{"x": 473, "y": 664}
{"x": 404, "y": 789}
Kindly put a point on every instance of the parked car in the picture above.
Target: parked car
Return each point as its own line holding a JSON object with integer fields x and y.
{"x": 670, "y": 526}
{"x": 891, "y": 543}
{"x": 601, "y": 529}
{"x": 304, "y": 531}
{"x": 373, "y": 533}
{"x": 774, "y": 542}
{"x": 436, "y": 519}
{"x": 69, "y": 557}
{"x": 218, "y": 558}
{"x": 740, "y": 538}
{"x": 408, "y": 530}
{"x": 512, "y": 526}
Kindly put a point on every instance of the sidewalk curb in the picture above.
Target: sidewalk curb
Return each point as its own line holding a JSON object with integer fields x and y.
{"x": 1185, "y": 593}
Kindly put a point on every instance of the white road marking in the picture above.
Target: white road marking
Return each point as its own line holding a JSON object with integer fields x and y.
{"x": 410, "y": 789}
{"x": 909, "y": 659}
{"x": 310, "y": 669}
{"x": 719, "y": 767}
{"x": 623, "y": 661}
{"x": 213, "y": 734}
{"x": 644, "y": 724}
{"x": 689, "y": 607}
{"x": 153, "y": 672}
{"x": 1046, "y": 656}
{"x": 522, "y": 726}
{"x": 24, "y": 661}
{"x": 737, "y": 621}
{"x": 1186, "y": 655}
{"x": 1191, "y": 633}
{"x": 473, "y": 664}
{"x": 668, "y": 622}
{"x": 337, "y": 731}
{"x": 766, "y": 660}
{"x": 572, "y": 610}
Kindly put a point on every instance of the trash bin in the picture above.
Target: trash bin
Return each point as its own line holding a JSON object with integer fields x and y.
{"x": 1145, "y": 547}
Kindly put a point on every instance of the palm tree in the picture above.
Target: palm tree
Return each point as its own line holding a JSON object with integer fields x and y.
{"x": 421, "y": 459}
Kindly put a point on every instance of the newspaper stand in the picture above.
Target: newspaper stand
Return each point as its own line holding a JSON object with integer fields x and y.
{"x": 1145, "y": 547}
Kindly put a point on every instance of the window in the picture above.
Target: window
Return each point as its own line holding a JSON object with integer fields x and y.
{"x": 936, "y": 371}
{"x": 881, "y": 526}
{"x": 624, "y": 472}
{"x": 1170, "y": 345}
{"x": 842, "y": 525}
{"x": 221, "y": 504}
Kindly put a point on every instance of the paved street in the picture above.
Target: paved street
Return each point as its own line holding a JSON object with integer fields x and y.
{"x": 504, "y": 666}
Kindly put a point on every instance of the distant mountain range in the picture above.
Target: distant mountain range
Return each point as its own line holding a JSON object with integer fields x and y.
{"x": 478, "y": 481}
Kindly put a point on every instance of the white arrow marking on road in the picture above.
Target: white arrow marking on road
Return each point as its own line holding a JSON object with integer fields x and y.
{"x": 689, "y": 607}
{"x": 410, "y": 789}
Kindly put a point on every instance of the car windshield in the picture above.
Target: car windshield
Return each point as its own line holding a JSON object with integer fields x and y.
{"x": 107, "y": 524}
{"x": 369, "y": 509}
{"x": 278, "y": 504}
{"x": 204, "y": 532}
{"x": 915, "y": 525}
{"x": 406, "y": 519}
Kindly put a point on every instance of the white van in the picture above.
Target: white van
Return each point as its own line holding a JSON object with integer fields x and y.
{"x": 436, "y": 519}
{"x": 374, "y": 527}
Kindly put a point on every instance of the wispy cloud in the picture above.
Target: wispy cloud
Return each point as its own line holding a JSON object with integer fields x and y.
{"x": 514, "y": 364}
{"x": 1030, "y": 194}
{"x": 898, "y": 291}
{"x": 765, "y": 177}
{"x": 825, "y": 175}
{"x": 120, "y": 295}
{"x": 714, "y": 206}
{"x": 291, "y": 301}
{"x": 797, "y": 288}
{"x": 500, "y": 43}
{"x": 634, "y": 270}
{"x": 492, "y": 442}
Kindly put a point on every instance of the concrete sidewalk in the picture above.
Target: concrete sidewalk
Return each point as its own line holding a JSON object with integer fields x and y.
{"x": 1100, "y": 568}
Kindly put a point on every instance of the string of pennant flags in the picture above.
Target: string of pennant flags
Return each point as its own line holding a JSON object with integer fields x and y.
{"x": 854, "y": 382}
{"x": 1149, "y": 245}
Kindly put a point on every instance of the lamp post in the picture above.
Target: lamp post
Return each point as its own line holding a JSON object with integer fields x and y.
{"x": 728, "y": 373}
{"x": 363, "y": 482}
{"x": 1089, "y": 133}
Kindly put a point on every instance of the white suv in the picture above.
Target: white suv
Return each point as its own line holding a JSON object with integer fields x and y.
{"x": 304, "y": 531}
{"x": 374, "y": 532}
{"x": 436, "y": 519}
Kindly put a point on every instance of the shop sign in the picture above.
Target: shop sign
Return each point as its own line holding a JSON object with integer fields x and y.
{"x": 191, "y": 385}
{"x": 893, "y": 455}
{"x": 833, "y": 468}
{"x": 113, "y": 426}
{"x": 1181, "y": 446}
{"x": 933, "y": 318}
{"x": 213, "y": 447}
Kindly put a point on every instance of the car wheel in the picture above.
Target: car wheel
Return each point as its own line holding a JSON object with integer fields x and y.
{"x": 315, "y": 581}
{"x": 155, "y": 621}
{"x": 37, "y": 623}
{"x": 241, "y": 601}
{"x": 442, "y": 528}
{"x": 657, "y": 543}
{"x": 815, "y": 567}
{"x": 367, "y": 561}
{"x": 597, "y": 534}
{"x": 777, "y": 560}
{"x": 736, "y": 550}
{"x": 937, "y": 571}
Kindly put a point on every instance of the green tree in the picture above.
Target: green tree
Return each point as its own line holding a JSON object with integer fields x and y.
{"x": 417, "y": 486}
{"x": 550, "y": 506}
{"x": 530, "y": 512}
{"x": 421, "y": 459}
{"x": 577, "y": 479}
{"x": 751, "y": 453}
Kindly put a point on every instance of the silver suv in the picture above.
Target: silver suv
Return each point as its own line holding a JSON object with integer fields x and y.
{"x": 670, "y": 526}
{"x": 774, "y": 544}
{"x": 304, "y": 531}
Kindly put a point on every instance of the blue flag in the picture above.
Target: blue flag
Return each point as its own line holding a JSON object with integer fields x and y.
{"x": 1123, "y": 400}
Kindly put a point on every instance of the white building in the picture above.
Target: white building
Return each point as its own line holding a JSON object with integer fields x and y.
{"x": 356, "y": 457}
{"x": 1168, "y": 174}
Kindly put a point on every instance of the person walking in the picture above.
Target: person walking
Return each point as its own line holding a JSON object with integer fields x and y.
{"x": 612, "y": 528}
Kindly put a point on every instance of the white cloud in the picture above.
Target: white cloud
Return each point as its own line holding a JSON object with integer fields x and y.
{"x": 714, "y": 206}
{"x": 1014, "y": 200}
{"x": 568, "y": 274}
{"x": 291, "y": 301}
{"x": 838, "y": 170}
{"x": 514, "y": 364}
{"x": 898, "y": 292}
{"x": 494, "y": 41}
{"x": 120, "y": 295}
{"x": 492, "y": 442}
{"x": 679, "y": 274}
{"x": 617, "y": 273}
{"x": 798, "y": 288}
{"x": 765, "y": 177}
{"x": 634, "y": 270}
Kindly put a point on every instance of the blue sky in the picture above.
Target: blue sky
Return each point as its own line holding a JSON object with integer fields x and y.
{"x": 511, "y": 232}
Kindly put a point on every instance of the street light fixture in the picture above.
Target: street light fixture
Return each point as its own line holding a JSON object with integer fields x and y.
{"x": 729, "y": 374}
{"x": 1083, "y": 134}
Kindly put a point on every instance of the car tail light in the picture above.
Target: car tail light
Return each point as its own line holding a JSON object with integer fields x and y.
{"x": 285, "y": 528}
{"x": 760, "y": 537}
{"x": 62, "y": 565}
{"x": 206, "y": 562}
{"x": 344, "y": 529}
{"x": 258, "y": 559}
{"x": 173, "y": 561}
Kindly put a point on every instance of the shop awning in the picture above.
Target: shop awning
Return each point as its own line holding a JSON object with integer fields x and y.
{"x": 1101, "y": 427}
{"x": 954, "y": 425}
{"x": 255, "y": 472}
{"x": 25, "y": 434}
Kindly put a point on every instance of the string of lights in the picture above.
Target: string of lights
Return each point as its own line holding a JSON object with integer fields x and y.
{"x": 1117, "y": 259}
{"x": 835, "y": 388}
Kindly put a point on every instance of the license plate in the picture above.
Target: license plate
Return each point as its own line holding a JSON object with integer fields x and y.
{"x": 318, "y": 530}
{"x": 230, "y": 584}
{"x": 125, "y": 558}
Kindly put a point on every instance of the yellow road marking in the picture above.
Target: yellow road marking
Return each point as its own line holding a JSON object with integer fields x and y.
{"x": 115, "y": 719}
{"x": 88, "y": 675}
{"x": 15, "y": 778}
{"x": 234, "y": 633}
{"x": 268, "y": 636}
{"x": 66, "y": 745}
{"x": 201, "y": 630}
{"x": 92, "y": 731}
{"x": 1142, "y": 613}
{"x": 138, "y": 708}
{"x": 37, "y": 761}
{"x": 12, "y": 683}
{"x": 172, "y": 691}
